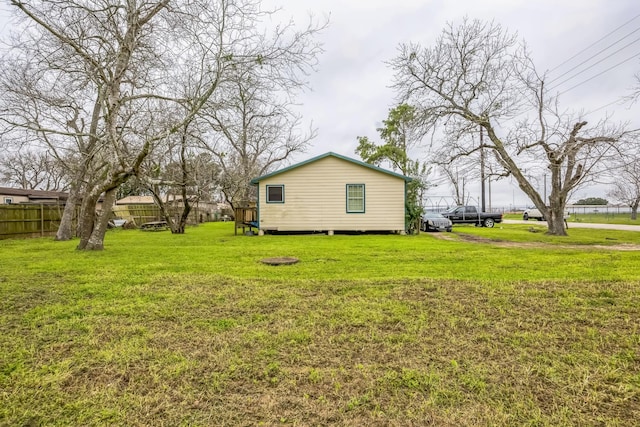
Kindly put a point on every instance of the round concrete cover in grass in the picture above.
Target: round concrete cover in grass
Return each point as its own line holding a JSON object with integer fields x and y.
{"x": 279, "y": 260}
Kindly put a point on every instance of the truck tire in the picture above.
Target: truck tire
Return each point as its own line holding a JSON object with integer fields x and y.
{"x": 489, "y": 222}
{"x": 525, "y": 216}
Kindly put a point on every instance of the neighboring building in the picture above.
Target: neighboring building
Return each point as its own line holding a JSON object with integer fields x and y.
{"x": 18, "y": 196}
{"x": 9, "y": 196}
{"x": 331, "y": 193}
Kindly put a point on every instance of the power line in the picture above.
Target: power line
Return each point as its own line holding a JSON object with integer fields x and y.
{"x": 634, "y": 56}
{"x": 598, "y": 62}
{"x": 596, "y": 42}
{"x": 592, "y": 65}
{"x": 617, "y": 101}
{"x": 598, "y": 53}
{"x": 591, "y": 57}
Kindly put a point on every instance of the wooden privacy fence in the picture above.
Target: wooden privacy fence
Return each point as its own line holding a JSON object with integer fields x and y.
{"x": 137, "y": 214}
{"x": 29, "y": 220}
{"x": 140, "y": 214}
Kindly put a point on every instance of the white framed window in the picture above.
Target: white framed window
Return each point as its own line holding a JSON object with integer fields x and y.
{"x": 8, "y": 200}
{"x": 275, "y": 193}
{"x": 355, "y": 198}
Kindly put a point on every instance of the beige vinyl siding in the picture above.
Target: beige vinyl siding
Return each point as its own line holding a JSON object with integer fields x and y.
{"x": 14, "y": 199}
{"x": 315, "y": 199}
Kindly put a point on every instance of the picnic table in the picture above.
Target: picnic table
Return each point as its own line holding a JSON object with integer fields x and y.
{"x": 154, "y": 226}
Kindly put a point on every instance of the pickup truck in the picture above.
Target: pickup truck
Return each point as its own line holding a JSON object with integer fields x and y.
{"x": 470, "y": 215}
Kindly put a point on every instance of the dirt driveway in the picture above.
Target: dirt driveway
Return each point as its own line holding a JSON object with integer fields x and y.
{"x": 507, "y": 244}
{"x": 623, "y": 227}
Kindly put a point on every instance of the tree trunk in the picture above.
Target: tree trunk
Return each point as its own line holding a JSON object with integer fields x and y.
{"x": 175, "y": 225}
{"x": 555, "y": 220}
{"x": 183, "y": 218}
{"x": 87, "y": 217}
{"x": 186, "y": 207}
{"x": 96, "y": 240}
{"x": 65, "y": 230}
{"x": 634, "y": 209}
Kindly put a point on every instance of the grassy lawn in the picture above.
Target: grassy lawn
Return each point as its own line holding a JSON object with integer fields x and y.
{"x": 596, "y": 218}
{"x": 364, "y": 330}
{"x": 604, "y": 218}
{"x": 534, "y": 232}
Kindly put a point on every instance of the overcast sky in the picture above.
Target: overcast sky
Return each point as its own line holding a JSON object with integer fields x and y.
{"x": 350, "y": 92}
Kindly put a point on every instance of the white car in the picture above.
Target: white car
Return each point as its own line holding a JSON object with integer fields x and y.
{"x": 534, "y": 213}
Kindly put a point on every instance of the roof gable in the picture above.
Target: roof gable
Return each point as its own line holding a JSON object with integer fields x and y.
{"x": 255, "y": 181}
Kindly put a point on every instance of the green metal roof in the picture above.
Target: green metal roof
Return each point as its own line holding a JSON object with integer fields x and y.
{"x": 255, "y": 181}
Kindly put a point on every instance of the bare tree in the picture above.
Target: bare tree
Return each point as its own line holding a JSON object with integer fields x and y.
{"x": 626, "y": 185}
{"x": 458, "y": 180}
{"x": 32, "y": 170}
{"x": 254, "y": 127}
{"x": 82, "y": 65}
{"x": 180, "y": 176}
{"x": 459, "y": 172}
{"x": 91, "y": 80}
{"x": 477, "y": 74}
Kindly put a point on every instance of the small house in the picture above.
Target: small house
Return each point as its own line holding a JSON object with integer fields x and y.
{"x": 9, "y": 196}
{"x": 331, "y": 193}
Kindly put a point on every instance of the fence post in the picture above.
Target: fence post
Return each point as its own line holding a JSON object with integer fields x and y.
{"x": 41, "y": 220}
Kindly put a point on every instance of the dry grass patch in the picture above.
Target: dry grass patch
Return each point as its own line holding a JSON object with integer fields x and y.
{"x": 208, "y": 350}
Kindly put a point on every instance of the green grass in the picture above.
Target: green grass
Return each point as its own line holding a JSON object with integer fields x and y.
{"x": 364, "y": 330}
{"x": 534, "y": 232}
{"x": 596, "y": 218}
{"x": 604, "y": 218}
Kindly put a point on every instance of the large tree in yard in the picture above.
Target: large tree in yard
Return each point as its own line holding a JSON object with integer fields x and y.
{"x": 478, "y": 75}
{"x": 254, "y": 128}
{"x": 92, "y": 82}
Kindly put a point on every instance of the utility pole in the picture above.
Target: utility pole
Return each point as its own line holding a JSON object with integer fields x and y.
{"x": 489, "y": 185}
{"x": 482, "y": 172}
